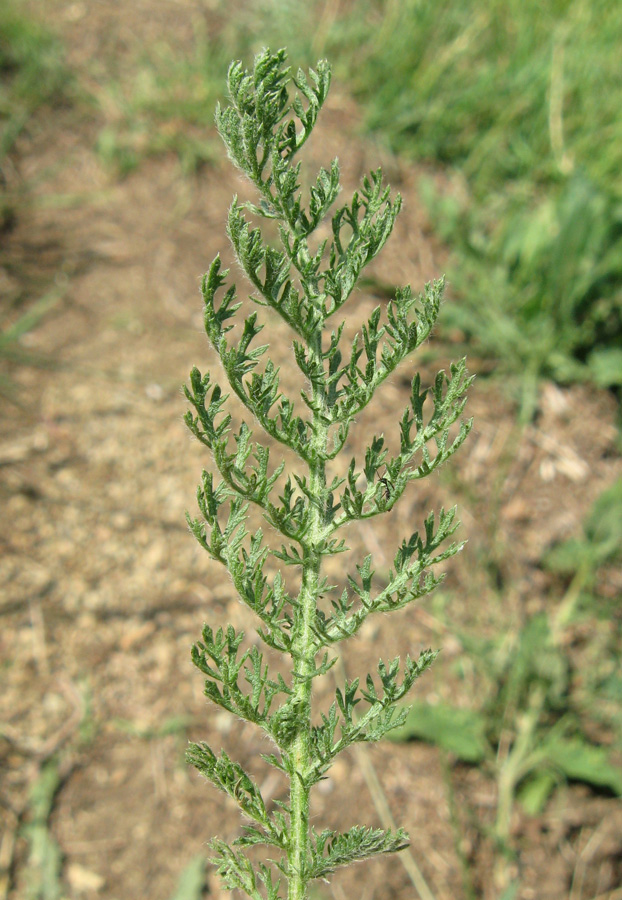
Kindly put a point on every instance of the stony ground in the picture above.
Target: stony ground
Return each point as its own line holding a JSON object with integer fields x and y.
{"x": 104, "y": 590}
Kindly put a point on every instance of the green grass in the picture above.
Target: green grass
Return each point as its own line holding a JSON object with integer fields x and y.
{"x": 523, "y": 100}
{"x": 32, "y": 73}
{"x": 507, "y": 90}
{"x": 538, "y": 283}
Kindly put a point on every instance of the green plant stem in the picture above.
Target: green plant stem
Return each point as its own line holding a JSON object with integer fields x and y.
{"x": 305, "y": 642}
{"x": 568, "y": 604}
{"x": 517, "y": 762}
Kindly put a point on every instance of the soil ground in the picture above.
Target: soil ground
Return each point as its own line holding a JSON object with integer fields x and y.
{"x": 104, "y": 590}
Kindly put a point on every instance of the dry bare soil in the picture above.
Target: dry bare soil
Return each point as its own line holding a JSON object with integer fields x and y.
{"x": 104, "y": 590}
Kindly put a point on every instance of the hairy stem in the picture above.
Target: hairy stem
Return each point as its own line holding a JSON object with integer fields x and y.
{"x": 305, "y": 643}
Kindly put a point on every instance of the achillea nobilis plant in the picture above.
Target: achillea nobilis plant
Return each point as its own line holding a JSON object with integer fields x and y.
{"x": 270, "y": 116}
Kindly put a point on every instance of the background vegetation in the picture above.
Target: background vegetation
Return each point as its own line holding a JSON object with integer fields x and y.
{"x": 32, "y": 75}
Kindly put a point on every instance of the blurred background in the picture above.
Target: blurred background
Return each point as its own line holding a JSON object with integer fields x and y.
{"x": 500, "y": 124}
